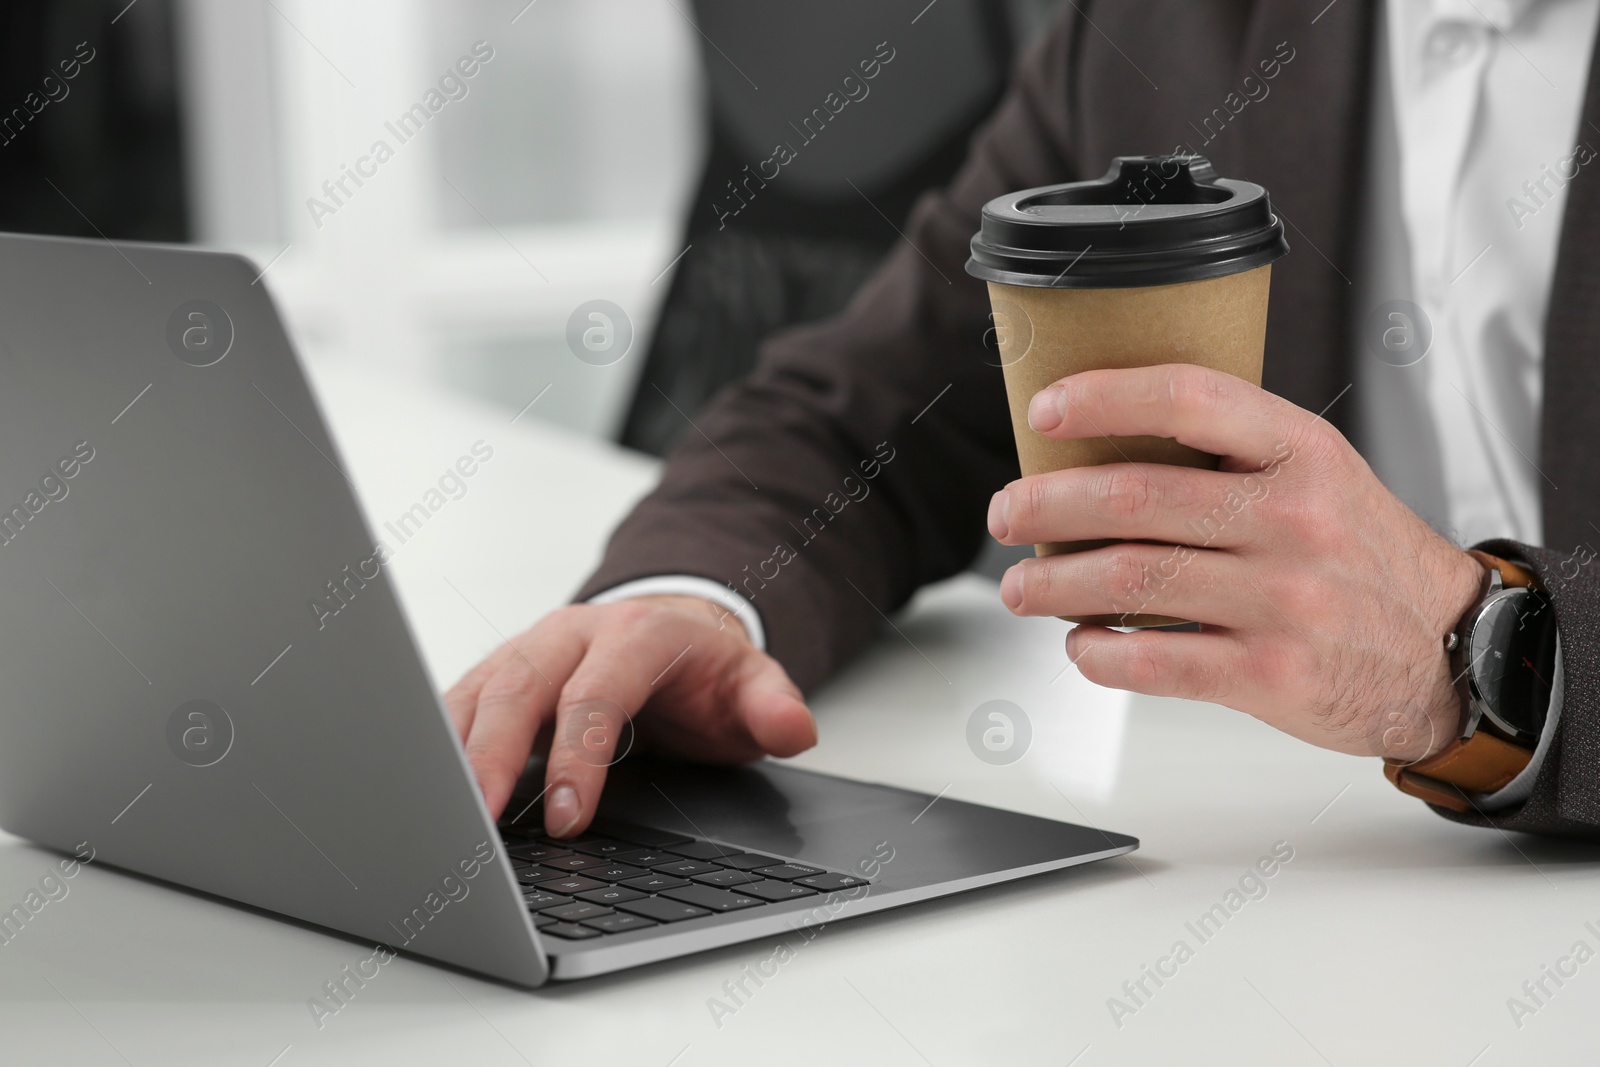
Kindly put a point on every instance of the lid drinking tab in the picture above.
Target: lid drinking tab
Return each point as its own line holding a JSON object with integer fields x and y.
{"x": 1151, "y": 220}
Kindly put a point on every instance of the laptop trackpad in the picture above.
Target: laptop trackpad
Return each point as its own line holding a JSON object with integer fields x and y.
{"x": 835, "y": 822}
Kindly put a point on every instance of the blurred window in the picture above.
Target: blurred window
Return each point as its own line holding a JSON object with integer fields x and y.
{"x": 555, "y": 174}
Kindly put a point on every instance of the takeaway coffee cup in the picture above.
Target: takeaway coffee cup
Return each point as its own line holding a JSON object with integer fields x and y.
{"x": 1160, "y": 261}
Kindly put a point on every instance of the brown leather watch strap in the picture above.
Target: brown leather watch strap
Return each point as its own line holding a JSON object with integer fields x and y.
{"x": 1511, "y": 574}
{"x": 1481, "y": 764}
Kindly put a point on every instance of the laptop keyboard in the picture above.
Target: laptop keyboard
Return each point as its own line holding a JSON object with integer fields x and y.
{"x": 620, "y": 877}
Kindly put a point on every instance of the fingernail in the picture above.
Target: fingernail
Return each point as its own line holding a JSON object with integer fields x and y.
{"x": 1047, "y": 409}
{"x": 561, "y": 810}
{"x": 1000, "y": 515}
{"x": 1011, "y": 587}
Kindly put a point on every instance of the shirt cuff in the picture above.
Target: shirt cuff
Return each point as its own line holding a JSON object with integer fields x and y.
{"x": 1519, "y": 788}
{"x": 690, "y": 585}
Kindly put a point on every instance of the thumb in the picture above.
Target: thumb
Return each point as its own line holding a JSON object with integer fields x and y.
{"x": 773, "y": 710}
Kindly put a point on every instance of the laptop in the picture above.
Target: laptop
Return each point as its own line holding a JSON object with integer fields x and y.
{"x": 174, "y": 703}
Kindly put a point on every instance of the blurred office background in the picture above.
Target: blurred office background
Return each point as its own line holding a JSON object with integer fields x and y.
{"x": 582, "y": 161}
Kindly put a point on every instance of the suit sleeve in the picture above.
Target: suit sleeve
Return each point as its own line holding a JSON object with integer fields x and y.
{"x": 855, "y": 463}
{"x": 1565, "y": 798}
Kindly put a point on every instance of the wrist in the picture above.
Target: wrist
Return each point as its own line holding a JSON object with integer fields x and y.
{"x": 1501, "y": 668}
{"x": 1460, "y": 587}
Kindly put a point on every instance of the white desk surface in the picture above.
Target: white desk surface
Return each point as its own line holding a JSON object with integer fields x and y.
{"x": 1391, "y": 937}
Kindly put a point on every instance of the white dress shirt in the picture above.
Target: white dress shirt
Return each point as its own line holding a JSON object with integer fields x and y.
{"x": 1476, "y": 131}
{"x": 1474, "y": 135}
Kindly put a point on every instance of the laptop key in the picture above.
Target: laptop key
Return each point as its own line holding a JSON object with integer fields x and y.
{"x": 685, "y": 868}
{"x": 619, "y": 923}
{"x": 534, "y": 852}
{"x": 541, "y": 921}
{"x": 748, "y": 861}
{"x": 647, "y": 857}
{"x": 538, "y": 898}
{"x": 704, "y": 896}
{"x": 655, "y": 883}
{"x": 774, "y": 890}
{"x": 647, "y": 836}
{"x": 788, "y": 872}
{"x": 726, "y": 878}
{"x": 704, "y": 850}
{"x": 615, "y": 872}
{"x": 571, "y": 885}
{"x": 828, "y": 881}
{"x": 611, "y": 894}
{"x": 570, "y": 931}
{"x": 662, "y": 910}
{"x": 534, "y": 875}
{"x": 576, "y": 911}
{"x": 574, "y": 862}
{"x": 604, "y": 847}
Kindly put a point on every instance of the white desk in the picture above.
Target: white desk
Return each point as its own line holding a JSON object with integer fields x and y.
{"x": 1391, "y": 937}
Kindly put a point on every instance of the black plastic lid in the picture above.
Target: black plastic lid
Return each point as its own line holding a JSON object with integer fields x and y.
{"x": 1152, "y": 220}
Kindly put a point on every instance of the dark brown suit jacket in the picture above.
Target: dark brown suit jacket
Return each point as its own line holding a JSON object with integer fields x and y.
{"x": 759, "y": 496}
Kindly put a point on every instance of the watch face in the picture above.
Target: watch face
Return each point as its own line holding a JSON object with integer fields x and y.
{"x": 1511, "y": 659}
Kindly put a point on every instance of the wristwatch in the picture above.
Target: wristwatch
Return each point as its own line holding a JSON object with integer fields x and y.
{"x": 1502, "y": 658}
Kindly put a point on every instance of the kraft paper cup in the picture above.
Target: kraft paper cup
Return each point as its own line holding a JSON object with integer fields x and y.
{"x": 1182, "y": 276}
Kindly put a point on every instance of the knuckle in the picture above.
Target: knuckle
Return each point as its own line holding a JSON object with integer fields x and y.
{"x": 1039, "y": 581}
{"x": 569, "y": 618}
{"x": 1124, "y": 571}
{"x": 630, "y": 613}
{"x": 587, "y": 696}
{"x": 489, "y": 761}
{"x": 1123, "y": 491}
{"x": 1303, "y": 597}
{"x": 1309, "y": 520}
{"x": 482, "y": 753}
{"x": 569, "y": 612}
{"x": 1274, "y": 503}
{"x": 587, "y": 738}
{"x": 1195, "y": 389}
{"x": 1031, "y": 503}
{"x": 1289, "y": 666}
{"x": 508, "y": 688}
{"x": 1315, "y": 445}
{"x": 1141, "y": 668}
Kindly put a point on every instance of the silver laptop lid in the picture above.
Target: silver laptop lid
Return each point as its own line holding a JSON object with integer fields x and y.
{"x": 204, "y": 673}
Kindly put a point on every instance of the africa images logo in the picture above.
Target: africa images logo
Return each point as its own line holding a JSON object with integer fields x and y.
{"x": 999, "y": 732}
{"x": 200, "y": 733}
{"x": 199, "y": 332}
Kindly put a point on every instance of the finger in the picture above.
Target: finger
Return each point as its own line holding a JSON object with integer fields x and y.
{"x": 511, "y": 707}
{"x": 1130, "y": 578}
{"x": 618, "y": 673}
{"x": 1195, "y": 666}
{"x": 461, "y": 699}
{"x": 1202, "y": 408}
{"x": 763, "y": 714}
{"x": 1139, "y": 501}
{"x": 773, "y": 710}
